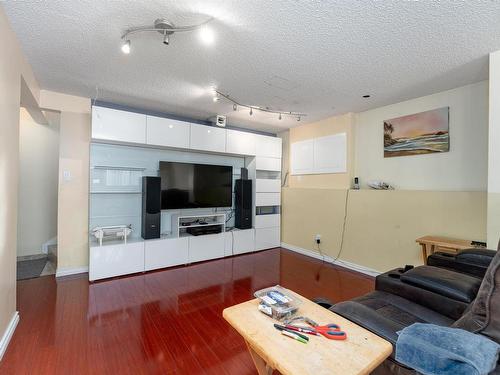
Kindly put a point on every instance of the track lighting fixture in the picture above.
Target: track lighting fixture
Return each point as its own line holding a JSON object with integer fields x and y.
{"x": 167, "y": 29}
{"x": 126, "y": 47}
{"x": 217, "y": 94}
{"x": 215, "y": 99}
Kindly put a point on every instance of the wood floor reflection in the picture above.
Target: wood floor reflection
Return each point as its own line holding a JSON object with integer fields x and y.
{"x": 163, "y": 322}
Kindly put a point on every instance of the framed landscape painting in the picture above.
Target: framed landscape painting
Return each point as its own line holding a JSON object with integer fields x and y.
{"x": 420, "y": 133}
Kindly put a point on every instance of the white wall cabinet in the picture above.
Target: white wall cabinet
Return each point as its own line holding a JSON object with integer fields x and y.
{"x": 268, "y": 146}
{"x": 267, "y": 199}
{"x": 263, "y": 185}
{"x": 208, "y": 138}
{"x": 267, "y": 221}
{"x": 267, "y": 238}
{"x": 115, "y": 260}
{"x": 267, "y": 164}
{"x": 241, "y": 143}
{"x": 210, "y": 246}
{"x": 165, "y": 253}
{"x": 167, "y": 132}
{"x": 114, "y": 125}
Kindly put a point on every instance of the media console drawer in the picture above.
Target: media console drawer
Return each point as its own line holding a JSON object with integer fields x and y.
{"x": 210, "y": 246}
{"x": 166, "y": 253}
{"x": 115, "y": 260}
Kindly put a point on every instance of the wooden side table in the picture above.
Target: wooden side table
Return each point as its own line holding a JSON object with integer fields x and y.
{"x": 430, "y": 244}
{"x": 360, "y": 353}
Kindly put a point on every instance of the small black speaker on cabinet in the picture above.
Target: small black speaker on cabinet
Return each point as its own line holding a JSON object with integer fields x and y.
{"x": 151, "y": 207}
{"x": 244, "y": 174}
{"x": 243, "y": 204}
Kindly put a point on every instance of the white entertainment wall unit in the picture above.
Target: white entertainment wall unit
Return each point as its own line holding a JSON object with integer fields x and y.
{"x": 127, "y": 146}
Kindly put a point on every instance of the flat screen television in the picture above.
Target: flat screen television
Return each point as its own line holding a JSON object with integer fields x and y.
{"x": 186, "y": 185}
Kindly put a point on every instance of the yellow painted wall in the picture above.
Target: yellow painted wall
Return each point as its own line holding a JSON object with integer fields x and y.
{"x": 73, "y": 198}
{"x": 13, "y": 66}
{"x": 381, "y": 226}
{"x": 329, "y": 126}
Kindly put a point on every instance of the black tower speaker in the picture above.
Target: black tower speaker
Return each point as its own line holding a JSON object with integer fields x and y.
{"x": 151, "y": 207}
{"x": 243, "y": 204}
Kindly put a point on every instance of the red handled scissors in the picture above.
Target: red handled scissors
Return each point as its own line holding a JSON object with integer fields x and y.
{"x": 330, "y": 331}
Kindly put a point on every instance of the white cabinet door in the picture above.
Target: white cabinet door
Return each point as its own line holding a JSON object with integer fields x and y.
{"x": 167, "y": 132}
{"x": 267, "y": 164}
{"x": 243, "y": 241}
{"x": 206, "y": 247}
{"x": 115, "y": 260}
{"x": 263, "y": 185}
{"x": 241, "y": 143}
{"x": 208, "y": 138}
{"x": 114, "y": 125}
{"x": 267, "y": 199}
{"x": 268, "y": 146}
{"x": 165, "y": 253}
{"x": 267, "y": 238}
{"x": 267, "y": 221}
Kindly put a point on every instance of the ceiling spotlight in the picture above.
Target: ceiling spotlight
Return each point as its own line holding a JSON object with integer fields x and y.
{"x": 298, "y": 118}
{"x": 207, "y": 35}
{"x": 126, "y": 47}
{"x": 166, "y": 38}
{"x": 215, "y": 99}
{"x": 251, "y": 111}
{"x": 235, "y": 107}
{"x": 167, "y": 29}
{"x": 279, "y": 118}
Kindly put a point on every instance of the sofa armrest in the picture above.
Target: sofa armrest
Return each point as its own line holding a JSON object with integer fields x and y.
{"x": 391, "y": 282}
{"x": 454, "y": 285}
{"x": 480, "y": 257}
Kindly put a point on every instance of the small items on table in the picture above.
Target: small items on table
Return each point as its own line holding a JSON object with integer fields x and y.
{"x": 430, "y": 244}
{"x": 349, "y": 350}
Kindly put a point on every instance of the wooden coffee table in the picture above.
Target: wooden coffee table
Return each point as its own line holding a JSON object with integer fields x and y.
{"x": 270, "y": 350}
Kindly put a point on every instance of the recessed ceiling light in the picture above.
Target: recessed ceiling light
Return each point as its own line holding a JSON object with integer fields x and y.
{"x": 366, "y": 96}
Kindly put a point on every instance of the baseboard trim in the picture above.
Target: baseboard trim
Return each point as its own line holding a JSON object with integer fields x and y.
{"x": 326, "y": 258}
{"x": 9, "y": 332}
{"x": 60, "y": 272}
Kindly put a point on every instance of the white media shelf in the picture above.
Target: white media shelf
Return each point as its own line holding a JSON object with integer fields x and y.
{"x": 115, "y": 258}
{"x": 183, "y": 223}
{"x": 262, "y": 155}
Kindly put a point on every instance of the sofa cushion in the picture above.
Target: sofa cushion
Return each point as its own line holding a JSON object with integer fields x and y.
{"x": 483, "y": 315}
{"x": 447, "y": 283}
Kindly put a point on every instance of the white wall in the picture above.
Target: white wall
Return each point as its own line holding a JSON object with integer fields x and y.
{"x": 38, "y": 184}
{"x": 494, "y": 152}
{"x": 463, "y": 168}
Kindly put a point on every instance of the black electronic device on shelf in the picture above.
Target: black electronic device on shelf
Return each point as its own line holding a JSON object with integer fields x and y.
{"x": 206, "y": 229}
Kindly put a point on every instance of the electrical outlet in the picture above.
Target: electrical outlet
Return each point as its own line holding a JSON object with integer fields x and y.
{"x": 317, "y": 238}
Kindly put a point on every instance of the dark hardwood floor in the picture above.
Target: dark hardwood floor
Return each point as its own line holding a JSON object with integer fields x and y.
{"x": 164, "y": 322}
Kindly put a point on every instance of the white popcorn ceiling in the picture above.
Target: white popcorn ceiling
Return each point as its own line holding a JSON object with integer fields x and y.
{"x": 317, "y": 57}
